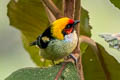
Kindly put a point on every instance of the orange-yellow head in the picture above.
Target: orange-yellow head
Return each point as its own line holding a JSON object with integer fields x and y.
{"x": 63, "y": 25}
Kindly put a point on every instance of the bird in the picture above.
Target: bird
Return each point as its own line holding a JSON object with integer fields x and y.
{"x": 58, "y": 40}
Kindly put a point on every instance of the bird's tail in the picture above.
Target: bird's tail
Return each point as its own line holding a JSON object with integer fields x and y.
{"x": 33, "y": 43}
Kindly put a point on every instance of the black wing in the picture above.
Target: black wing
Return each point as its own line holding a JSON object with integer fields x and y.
{"x": 44, "y": 39}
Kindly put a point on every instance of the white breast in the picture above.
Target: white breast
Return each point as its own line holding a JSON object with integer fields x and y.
{"x": 58, "y": 49}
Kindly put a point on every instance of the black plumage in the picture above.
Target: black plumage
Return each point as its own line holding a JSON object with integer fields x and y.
{"x": 40, "y": 42}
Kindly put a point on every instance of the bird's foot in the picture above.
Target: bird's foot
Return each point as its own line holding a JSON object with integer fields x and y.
{"x": 72, "y": 58}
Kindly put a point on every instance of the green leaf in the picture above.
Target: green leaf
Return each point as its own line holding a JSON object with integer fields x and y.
{"x": 69, "y": 73}
{"x": 116, "y": 3}
{"x": 100, "y": 67}
{"x": 85, "y": 28}
{"x": 30, "y": 18}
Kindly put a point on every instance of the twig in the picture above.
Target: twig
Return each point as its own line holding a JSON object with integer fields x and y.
{"x": 52, "y": 7}
{"x": 60, "y": 71}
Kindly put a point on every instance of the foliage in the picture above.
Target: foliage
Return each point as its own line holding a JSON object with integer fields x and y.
{"x": 30, "y": 18}
{"x": 69, "y": 73}
{"x": 116, "y": 3}
{"x": 100, "y": 66}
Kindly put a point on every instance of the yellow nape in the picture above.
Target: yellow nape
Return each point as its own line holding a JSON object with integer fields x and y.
{"x": 58, "y": 26}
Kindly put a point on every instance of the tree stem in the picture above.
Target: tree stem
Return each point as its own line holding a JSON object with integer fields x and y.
{"x": 69, "y": 6}
{"x": 77, "y": 50}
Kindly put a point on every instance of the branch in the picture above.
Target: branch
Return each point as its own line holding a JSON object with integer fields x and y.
{"x": 77, "y": 14}
{"x": 84, "y": 39}
{"x": 51, "y": 6}
{"x": 98, "y": 53}
{"x": 60, "y": 71}
{"x": 77, "y": 17}
{"x": 77, "y": 50}
{"x": 89, "y": 41}
{"x": 50, "y": 15}
{"x": 69, "y": 8}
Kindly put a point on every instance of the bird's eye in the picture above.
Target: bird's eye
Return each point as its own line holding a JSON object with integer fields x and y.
{"x": 68, "y": 26}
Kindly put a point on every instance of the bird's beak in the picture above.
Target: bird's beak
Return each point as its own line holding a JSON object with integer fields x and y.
{"x": 76, "y": 22}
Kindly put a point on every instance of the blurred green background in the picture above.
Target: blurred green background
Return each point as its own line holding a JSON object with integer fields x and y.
{"x": 12, "y": 54}
{"x": 104, "y": 18}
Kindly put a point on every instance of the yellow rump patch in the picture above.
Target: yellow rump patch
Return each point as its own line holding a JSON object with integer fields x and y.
{"x": 45, "y": 39}
{"x": 58, "y": 26}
